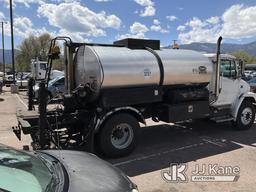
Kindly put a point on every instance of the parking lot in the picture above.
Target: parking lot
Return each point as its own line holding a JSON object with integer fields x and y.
{"x": 200, "y": 142}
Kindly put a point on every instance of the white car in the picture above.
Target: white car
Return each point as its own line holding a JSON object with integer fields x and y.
{"x": 22, "y": 80}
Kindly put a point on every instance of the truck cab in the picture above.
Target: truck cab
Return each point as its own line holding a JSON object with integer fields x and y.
{"x": 233, "y": 89}
{"x": 38, "y": 69}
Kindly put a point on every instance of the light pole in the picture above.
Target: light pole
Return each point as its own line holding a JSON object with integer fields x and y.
{"x": 12, "y": 42}
{"x": 2, "y": 23}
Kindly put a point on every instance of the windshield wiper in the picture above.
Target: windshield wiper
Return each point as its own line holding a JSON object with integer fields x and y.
{"x": 15, "y": 162}
{"x": 52, "y": 184}
{"x": 4, "y": 190}
{"x": 54, "y": 168}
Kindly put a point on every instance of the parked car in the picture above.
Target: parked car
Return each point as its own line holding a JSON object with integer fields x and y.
{"x": 59, "y": 171}
{"x": 248, "y": 75}
{"x": 56, "y": 73}
{"x": 55, "y": 87}
{"x": 22, "y": 79}
{"x": 8, "y": 80}
{"x": 252, "y": 84}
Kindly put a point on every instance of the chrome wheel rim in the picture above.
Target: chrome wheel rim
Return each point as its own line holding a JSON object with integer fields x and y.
{"x": 122, "y": 136}
{"x": 246, "y": 116}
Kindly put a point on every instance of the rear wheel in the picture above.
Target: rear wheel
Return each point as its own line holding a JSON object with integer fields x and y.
{"x": 118, "y": 136}
{"x": 245, "y": 117}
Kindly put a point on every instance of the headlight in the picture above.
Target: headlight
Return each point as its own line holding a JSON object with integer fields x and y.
{"x": 135, "y": 190}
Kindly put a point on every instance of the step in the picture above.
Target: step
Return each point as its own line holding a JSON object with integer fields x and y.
{"x": 222, "y": 119}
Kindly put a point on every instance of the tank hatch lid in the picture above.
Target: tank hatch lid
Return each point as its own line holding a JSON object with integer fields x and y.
{"x": 139, "y": 43}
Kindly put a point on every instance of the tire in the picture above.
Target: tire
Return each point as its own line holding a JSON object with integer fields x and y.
{"x": 118, "y": 135}
{"x": 245, "y": 117}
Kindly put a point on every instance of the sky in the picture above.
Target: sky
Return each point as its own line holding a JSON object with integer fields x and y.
{"x": 104, "y": 21}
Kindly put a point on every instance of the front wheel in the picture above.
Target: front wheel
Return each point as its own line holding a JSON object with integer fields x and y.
{"x": 118, "y": 136}
{"x": 245, "y": 117}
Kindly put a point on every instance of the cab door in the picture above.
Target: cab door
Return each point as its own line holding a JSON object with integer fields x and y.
{"x": 229, "y": 83}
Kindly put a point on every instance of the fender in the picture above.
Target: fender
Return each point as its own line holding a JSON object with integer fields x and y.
{"x": 135, "y": 112}
{"x": 241, "y": 98}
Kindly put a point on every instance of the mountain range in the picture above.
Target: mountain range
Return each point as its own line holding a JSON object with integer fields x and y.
{"x": 225, "y": 47}
{"x": 8, "y": 55}
{"x": 203, "y": 47}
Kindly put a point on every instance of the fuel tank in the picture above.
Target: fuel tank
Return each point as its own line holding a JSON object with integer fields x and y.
{"x": 104, "y": 67}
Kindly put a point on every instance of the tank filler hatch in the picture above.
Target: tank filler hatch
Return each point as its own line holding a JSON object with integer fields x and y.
{"x": 139, "y": 43}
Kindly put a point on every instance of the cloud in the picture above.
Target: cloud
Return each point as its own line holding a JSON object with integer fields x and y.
{"x": 2, "y": 15}
{"x": 213, "y": 20}
{"x": 156, "y": 22}
{"x": 102, "y": 0}
{"x": 137, "y": 30}
{"x": 78, "y": 20}
{"x": 157, "y": 27}
{"x": 23, "y": 27}
{"x": 181, "y": 28}
{"x": 237, "y": 22}
{"x": 171, "y": 18}
{"x": 76, "y": 37}
{"x": 129, "y": 35}
{"x": 137, "y": 27}
{"x": 149, "y": 11}
{"x": 199, "y": 31}
{"x": 26, "y": 3}
{"x": 149, "y": 8}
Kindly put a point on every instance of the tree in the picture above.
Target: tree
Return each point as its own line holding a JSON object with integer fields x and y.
{"x": 44, "y": 44}
{"x": 245, "y": 56}
{"x": 58, "y": 64}
{"x": 31, "y": 48}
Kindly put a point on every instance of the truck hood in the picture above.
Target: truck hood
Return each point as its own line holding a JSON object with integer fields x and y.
{"x": 88, "y": 173}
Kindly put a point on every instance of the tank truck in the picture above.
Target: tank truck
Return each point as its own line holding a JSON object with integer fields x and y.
{"x": 110, "y": 89}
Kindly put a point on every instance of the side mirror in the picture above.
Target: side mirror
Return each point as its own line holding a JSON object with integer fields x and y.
{"x": 242, "y": 65}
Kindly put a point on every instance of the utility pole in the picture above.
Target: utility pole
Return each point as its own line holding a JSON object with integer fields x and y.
{"x": 3, "y": 22}
{"x": 12, "y": 42}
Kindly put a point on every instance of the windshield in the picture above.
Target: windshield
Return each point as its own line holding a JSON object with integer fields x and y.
{"x": 43, "y": 66}
{"x": 53, "y": 81}
{"x": 29, "y": 173}
{"x": 227, "y": 68}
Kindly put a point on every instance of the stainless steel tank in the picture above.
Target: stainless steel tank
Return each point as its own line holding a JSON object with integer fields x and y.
{"x": 185, "y": 67}
{"x": 112, "y": 67}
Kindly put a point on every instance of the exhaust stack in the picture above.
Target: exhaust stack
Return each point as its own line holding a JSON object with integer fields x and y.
{"x": 217, "y": 70}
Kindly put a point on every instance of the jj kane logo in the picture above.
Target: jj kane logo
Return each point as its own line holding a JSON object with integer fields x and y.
{"x": 201, "y": 173}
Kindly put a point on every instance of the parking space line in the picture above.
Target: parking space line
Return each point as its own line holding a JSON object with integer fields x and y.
{"x": 21, "y": 100}
{"x": 157, "y": 154}
{"x": 213, "y": 141}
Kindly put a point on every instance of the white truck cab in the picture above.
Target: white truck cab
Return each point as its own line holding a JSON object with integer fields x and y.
{"x": 38, "y": 69}
{"x": 234, "y": 95}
